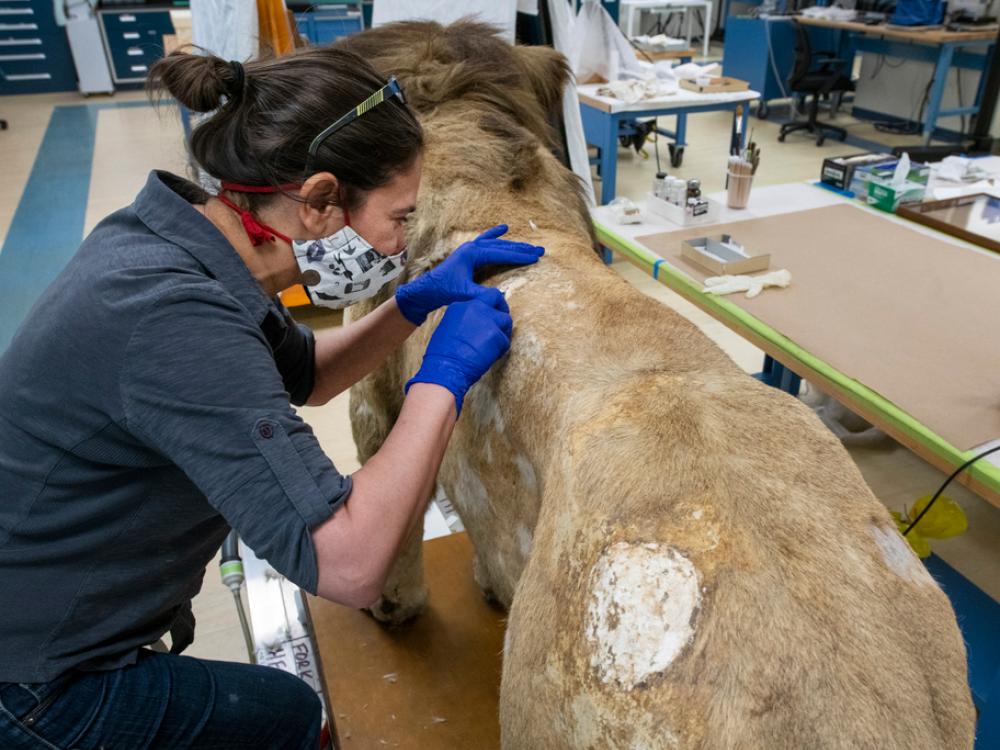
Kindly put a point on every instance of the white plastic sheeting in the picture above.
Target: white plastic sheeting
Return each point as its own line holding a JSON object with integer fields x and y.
{"x": 561, "y": 15}
{"x": 226, "y": 28}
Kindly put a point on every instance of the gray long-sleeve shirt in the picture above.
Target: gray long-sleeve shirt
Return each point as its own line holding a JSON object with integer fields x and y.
{"x": 145, "y": 408}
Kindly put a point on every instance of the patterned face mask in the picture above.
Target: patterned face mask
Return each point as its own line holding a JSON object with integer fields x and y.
{"x": 344, "y": 268}
{"x": 337, "y": 271}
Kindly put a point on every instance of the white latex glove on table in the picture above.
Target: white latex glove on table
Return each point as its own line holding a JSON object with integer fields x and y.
{"x": 752, "y": 285}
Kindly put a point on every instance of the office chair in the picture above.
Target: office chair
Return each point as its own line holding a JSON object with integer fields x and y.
{"x": 819, "y": 81}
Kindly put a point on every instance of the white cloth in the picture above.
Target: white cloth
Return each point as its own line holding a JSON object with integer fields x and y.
{"x": 500, "y": 13}
{"x": 752, "y": 285}
{"x": 635, "y": 90}
{"x": 225, "y": 28}
{"x": 562, "y": 20}
{"x": 598, "y": 49}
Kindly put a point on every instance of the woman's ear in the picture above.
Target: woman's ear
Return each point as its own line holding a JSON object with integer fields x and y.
{"x": 320, "y": 196}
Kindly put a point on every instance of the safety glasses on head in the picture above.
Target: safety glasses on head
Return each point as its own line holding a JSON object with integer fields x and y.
{"x": 387, "y": 92}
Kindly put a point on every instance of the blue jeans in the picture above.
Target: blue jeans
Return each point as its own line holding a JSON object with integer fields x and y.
{"x": 163, "y": 701}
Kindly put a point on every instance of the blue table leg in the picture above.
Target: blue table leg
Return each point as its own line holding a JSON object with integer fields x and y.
{"x": 681, "y": 139}
{"x": 601, "y": 129}
{"x": 609, "y": 161}
{"x": 937, "y": 90}
{"x": 778, "y": 376}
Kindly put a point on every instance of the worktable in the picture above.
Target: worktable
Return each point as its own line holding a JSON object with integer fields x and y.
{"x": 945, "y": 49}
{"x": 979, "y": 615}
{"x": 629, "y": 16}
{"x": 601, "y": 116}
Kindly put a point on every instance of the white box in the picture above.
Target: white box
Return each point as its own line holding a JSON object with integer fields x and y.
{"x": 677, "y": 215}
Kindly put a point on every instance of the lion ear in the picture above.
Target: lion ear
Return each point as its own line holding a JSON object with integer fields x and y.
{"x": 547, "y": 72}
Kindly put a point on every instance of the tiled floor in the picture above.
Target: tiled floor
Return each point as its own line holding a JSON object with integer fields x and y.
{"x": 133, "y": 139}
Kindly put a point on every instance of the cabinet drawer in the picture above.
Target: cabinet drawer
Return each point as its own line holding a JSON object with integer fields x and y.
{"x": 135, "y": 62}
{"x": 149, "y": 21}
{"x": 38, "y": 13}
{"x": 21, "y": 45}
{"x": 16, "y": 67}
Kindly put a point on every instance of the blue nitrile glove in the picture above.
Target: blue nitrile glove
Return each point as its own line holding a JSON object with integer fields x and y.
{"x": 452, "y": 280}
{"x": 471, "y": 336}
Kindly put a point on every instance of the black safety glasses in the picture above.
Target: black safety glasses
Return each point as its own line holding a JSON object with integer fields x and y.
{"x": 390, "y": 90}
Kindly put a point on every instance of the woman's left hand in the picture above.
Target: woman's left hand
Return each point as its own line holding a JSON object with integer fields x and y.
{"x": 452, "y": 280}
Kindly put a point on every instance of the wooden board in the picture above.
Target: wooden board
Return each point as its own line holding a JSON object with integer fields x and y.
{"x": 446, "y": 664}
{"x": 906, "y": 313}
{"x": 929, "y": 36}
{"x": 669, "y": 54}
{"x": 716, "y": 85}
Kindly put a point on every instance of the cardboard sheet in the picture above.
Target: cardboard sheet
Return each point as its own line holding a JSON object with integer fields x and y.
{"x": 445, "y": 665}
{"x": 911, "y": 316}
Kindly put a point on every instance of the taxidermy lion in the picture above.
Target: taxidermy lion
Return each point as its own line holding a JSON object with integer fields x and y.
{"x": 689, "y": 557}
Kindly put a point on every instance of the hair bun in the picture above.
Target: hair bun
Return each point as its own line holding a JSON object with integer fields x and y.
{"x": 200, "y": 82}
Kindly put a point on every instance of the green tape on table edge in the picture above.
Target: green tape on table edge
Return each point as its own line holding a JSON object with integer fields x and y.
{"x": 669, "y": 276}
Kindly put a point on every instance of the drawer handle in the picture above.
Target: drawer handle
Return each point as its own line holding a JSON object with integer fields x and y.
{"x": 17, "y": 58}
{"x": 126, "y": 18}
{"x": 134, "y": 51}
{"x": 29, "y": 77}
{"x": 130, "y": 35}
{"x": 18, "y": 27}
{"x": 20, "y": 42}
{"x": 17, "y": 11}
{"x": 138, "y": 68}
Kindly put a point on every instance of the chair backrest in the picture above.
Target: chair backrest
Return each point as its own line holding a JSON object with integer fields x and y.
{"x": 803, "y": 55}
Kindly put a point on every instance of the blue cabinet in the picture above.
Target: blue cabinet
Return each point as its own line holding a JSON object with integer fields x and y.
{"x": 133, "y": 40}
{"x": 327, "y": 23}
{"x": 34, "y": 51}
{"x": 761, "y": 51}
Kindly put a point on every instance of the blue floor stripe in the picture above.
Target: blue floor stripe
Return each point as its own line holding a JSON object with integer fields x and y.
{"x": 47, "y": 226}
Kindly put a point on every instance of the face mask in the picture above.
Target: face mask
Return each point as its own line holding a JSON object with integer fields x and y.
{"x": 344, "y": 268}
{"x": 338, "y": 270}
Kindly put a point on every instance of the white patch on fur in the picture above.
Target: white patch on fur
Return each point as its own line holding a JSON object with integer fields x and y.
{"x": 509, "y": 285}
{"x": 524, "y": 540}
{"x": 572, "y": 306}
{"x": 364, "y": 409}
{"x": 471, "y": 487}
{"x": 696, "y": 515}
{"x": 644, "y": 601}
{"x": 899, "y": 558}
{"x": 485, "y": 409}
{"x": 527, "y": 346}
{"x": 527, "y": 472}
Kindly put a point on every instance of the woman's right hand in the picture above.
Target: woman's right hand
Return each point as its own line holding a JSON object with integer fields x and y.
{"x": 471, "y": 336}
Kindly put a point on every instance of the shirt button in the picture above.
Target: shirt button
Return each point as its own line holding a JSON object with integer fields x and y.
{"x": 266, "y": 431}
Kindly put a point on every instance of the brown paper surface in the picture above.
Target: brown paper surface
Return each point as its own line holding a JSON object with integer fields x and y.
{"x": 911, "y": 316}
{"x": 445, "y": 664}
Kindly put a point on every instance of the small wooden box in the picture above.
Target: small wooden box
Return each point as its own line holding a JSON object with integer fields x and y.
{"x": 705, "y": 252}
{"x": 715, "y": 85}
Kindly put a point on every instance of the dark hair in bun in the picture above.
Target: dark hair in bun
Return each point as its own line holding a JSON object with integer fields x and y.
{"x": 267, "y": 112}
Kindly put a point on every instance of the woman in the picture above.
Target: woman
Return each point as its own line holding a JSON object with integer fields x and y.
{"x": 146, "y": 406}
